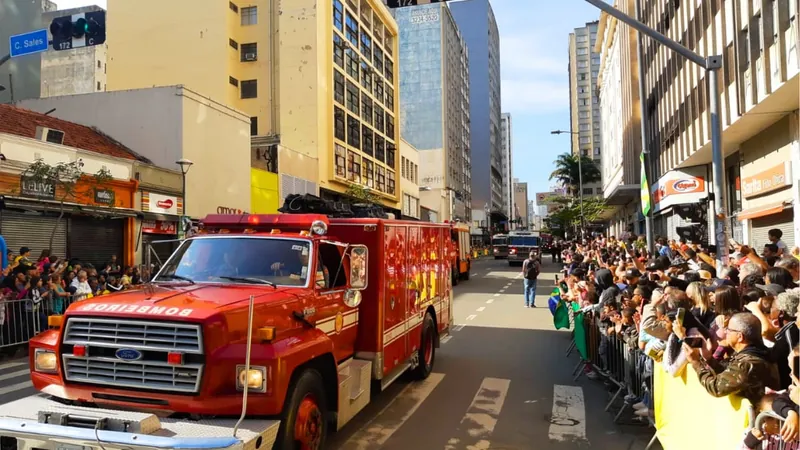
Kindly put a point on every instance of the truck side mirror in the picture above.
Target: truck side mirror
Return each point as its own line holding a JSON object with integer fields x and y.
{"x": 358, "y": 267}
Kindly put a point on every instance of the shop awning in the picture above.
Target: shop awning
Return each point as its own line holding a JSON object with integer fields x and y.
{"x": 764, "y": 210}
{"x": 37, "y": 205}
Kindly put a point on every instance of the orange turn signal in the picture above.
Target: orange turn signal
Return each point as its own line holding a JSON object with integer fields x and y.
{"x": 55, "y": 321}
{"x": 265, "y": 334}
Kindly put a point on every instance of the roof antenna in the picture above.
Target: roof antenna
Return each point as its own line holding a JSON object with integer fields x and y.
{"x": 50, "y": 112}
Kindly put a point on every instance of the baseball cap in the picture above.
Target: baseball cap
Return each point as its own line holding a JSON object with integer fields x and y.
{"x": 24, "y": 250}
{"x": 704, "y": 274}
{"x": 678, "y": 262}
{"x": 717, "y": 283}
{"x": 771, "y": 289}
{"x": 633, "y": 273}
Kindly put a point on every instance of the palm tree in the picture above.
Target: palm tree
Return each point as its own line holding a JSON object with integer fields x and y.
{"x": 568, "y": 175}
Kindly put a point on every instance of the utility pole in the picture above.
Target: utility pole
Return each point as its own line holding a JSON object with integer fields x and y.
{"x": 711, "y": 64}
{"x": 648, "y": 218}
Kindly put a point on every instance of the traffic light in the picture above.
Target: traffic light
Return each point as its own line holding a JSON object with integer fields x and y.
{"x": 79, "y": 30}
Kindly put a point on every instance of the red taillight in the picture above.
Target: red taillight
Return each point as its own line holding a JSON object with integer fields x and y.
{"x": 79, "y": 350}
{"x": 175, "y": 358}
{"x": 513, "y": 251}
{"x": 253, "y": 220}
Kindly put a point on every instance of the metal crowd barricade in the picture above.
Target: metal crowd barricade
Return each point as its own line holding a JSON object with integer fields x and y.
{"x": 773, "y": 443}
{"x": 22, "y": 319}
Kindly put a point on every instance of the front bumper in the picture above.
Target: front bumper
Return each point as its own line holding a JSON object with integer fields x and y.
{"x": 23, "y": 421}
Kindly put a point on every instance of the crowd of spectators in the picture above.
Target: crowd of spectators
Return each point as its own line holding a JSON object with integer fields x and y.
{"x": 737, "y": 325}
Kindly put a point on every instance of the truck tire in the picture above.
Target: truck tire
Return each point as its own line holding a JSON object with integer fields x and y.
{"x": 454, "y": 276}
{"x": 304, "y": 423}
{"x": 469, "y": 269}
{"x": 427, "y": 349}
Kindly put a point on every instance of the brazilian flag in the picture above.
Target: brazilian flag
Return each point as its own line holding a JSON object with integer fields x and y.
{"x": 560, "y": 314}
{"x": 579, "y": 335}
{"x": 645, "y": 189}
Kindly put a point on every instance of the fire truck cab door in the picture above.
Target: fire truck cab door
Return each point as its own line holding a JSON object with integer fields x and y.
{"x": 335, "y": 318}
{"x": 396, "y": 281}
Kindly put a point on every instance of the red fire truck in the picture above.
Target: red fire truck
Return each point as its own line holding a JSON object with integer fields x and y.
{"x": 462, "y": 259}
{"x": 262, "y": 331}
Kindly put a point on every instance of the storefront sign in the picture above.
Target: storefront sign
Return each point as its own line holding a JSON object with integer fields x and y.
{"x": 104, "y": 196}
{"x": 162, "y": 204}
{"x": 679, "y": 188}
{"x": 770, "y": 180}
{"x": 31, "y": 187}
{"x": 159, "y": 227}
{"x": 226, "y": 210}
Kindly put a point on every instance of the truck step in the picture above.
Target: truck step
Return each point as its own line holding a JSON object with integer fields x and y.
{"x": 355, "y": 377}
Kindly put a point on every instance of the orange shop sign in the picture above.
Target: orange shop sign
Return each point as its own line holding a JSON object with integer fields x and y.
{"x": 772, "y": 179}
{"x": 680, "y": 186}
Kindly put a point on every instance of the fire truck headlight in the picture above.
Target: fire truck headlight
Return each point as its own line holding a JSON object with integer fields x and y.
{"x": 45, "y": 361}
{"x": 255, "y": 378}
{"x": 319, "y": 228}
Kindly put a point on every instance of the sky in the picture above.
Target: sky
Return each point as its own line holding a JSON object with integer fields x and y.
{"x": 535, "y": 87}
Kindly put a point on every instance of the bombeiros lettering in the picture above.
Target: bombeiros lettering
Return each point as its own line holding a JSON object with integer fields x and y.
{"x": 138, "y": 309}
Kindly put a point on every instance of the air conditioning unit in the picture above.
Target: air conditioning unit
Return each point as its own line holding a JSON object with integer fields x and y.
{"x": 50, "y": 135}
{"x": 249, "y": 56}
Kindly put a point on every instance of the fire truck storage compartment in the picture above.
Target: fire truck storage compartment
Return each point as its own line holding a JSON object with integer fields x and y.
{"x": 94, "y": 240}
{"x": 33, "y": 230}
{"x": 408, "y": 270}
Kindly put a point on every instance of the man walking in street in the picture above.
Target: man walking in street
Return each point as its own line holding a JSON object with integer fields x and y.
{"x": 530, "y": 272}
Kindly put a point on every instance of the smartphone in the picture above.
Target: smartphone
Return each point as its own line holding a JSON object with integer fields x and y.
{"x": 733, "y": 242}
{"x": 796, "y": 366}
{"x": 564, "y": 287}
{"x": 680, "y": 315}
{"x": 556, "y": 278}
{"x": 694, "y": 342}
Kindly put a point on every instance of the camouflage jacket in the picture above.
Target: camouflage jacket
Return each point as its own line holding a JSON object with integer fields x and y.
{"x": 746, "y": 374}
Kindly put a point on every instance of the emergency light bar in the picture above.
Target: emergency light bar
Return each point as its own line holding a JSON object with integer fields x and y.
{"x": 264, "y": 222}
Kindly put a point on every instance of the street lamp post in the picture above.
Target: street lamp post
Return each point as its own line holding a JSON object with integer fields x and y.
{"x": 580, "y": 175}
{"x": 185, "y": 165}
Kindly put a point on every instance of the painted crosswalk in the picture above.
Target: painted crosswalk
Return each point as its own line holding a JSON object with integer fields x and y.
{"x": 15, "y": 380}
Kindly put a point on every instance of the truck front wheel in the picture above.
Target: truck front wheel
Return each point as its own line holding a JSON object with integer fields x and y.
{"x": 304, "y": 424}
{"x": 427, "y": 349}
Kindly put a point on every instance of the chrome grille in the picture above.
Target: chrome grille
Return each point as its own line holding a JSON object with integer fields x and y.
{"x": 157, "y": 336}
{"x": 134, "y": 374}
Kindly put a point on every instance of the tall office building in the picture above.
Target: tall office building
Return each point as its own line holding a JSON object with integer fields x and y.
{"x": 507, "y": 164}
{"x": 434, "y": 105}
{"x": 335, "y": 135}
{"x": 478, "y": 26}
{"x": 520, "y": 216}
{"x": 584, "y": 104}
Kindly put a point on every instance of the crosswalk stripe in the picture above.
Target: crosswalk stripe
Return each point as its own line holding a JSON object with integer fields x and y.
{"x": 16, "y": 387}
{"x": 478, "y": 423}
{"x": 11, "y": 365}
{"x": 377, "y": 431}
{"x": 569, "y": 414}
{"x": 19, "y": 373}
{"x": 446, "y": 339}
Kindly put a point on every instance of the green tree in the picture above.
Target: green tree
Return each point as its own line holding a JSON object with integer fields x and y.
{"x": 567, "y": 213}
{"x": 567, "y": 173}
{"x": 363, "y": 194}
{"x": 64, "y": 178}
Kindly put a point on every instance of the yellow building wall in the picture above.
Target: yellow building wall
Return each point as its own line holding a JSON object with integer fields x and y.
{"x": 217, "y": 140}
{"x": 158, "y": 43}
{"x": 264, "y": 192}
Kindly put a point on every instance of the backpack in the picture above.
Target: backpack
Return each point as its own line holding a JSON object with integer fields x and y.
{"x": 531, "y": 270}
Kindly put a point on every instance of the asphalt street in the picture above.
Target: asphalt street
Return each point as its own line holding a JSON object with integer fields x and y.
{"x": 501, "y": 381}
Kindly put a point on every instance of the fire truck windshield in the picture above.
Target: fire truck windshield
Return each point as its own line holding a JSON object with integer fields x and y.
{"x": 256, "y": 260}
{"x": 523, "y": 241}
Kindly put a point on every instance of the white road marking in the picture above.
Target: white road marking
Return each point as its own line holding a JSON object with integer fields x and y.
{"x": 19, "y": 373}
{"x": 481, "y": 308}
{"x": 458, "y": 327}
{"x": 377, "y": 431}
{"x": 491, "y": 300}
{"x": 569, "y": 414}
{"x": 502, "y": 290}
{"x": 16, "y": 387}
{"x": 12, "y": 364}
{"x": 497, "y": 295}
{"x": 446, "y": 339}
{"x": 475, "y": 274}
{"x": 471, "y": 317}
{"x": 478, "y": 423}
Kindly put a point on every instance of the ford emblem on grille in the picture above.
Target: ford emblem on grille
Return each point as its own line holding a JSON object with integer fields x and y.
{"x": 128, "y": 354}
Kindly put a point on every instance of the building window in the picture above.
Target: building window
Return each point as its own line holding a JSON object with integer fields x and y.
{"x": 389, "y": 126}
{"x": 250, "y": 52}
{"x": 389, "y": 100}
{"x": 353, "y": 132}
{"x": 585, "y": 140}
{"x": 582, "y": 64}
{"x": 583, "y": 51}
{"x": 380, "y": 149}
{"x": 233, "y": 7}
{"x": 377, "y": 60}
{"x": 390, "y": 153}
{"x": 338, "y": 50}
{"x": 249, "y": 87}
{"x": 233, "y": 44}
{"x": 379, "y": 118}
{"x": 353, "y": 167}
{"x": 389, "y": 70}
{"x": 351, "y": 30}
{"x": 367, "y": 141}
{"x": 338, "y": 123}
{"x": 98, "y": 86}
{"x": 366, "y": 76}
{"x": 369, "y": 173}
{"x": 254, "y": 126}
{"x": 391, "y": 182}
{"x": 338, "y": 14}
{"x": 99, "y": 65}
{"x": 352, "y": 63}
{"x": 588, "y": 191}
{"x": 584, "y": 127}
{"x": 233, "y": 81}
{"x": 583, "y": 114}
{"x": 352, "y": 98}
{"x": 366, "y": 45}
{"x": 341, "y": 170}
{"x": 379, "y": 89}
{"x": 338, "y": 86}
{"x": 366, "y": 108}
{"x": 250, "y": 15}
{"x": 381, "y": 185}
